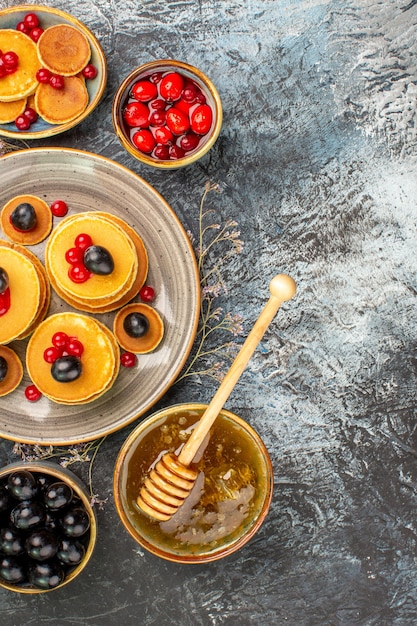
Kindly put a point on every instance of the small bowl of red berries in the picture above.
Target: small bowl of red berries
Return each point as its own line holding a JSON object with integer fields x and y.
{"x": 167, "y": 114}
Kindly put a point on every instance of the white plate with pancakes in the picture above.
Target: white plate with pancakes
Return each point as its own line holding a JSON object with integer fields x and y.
{"x": 14, "y": 98}
{"x": 93, "y": 184}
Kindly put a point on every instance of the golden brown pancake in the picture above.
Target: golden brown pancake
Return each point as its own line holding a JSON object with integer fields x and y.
{"x": 150, "y": 340}
{"x": 58, "y": 106}
{"x": 40, "y": 231}
{"x": 63, "y": 49}
{"x": 9, "y": 111}
{"x": 22, "y": 82}
{"x": 14, "y": 371}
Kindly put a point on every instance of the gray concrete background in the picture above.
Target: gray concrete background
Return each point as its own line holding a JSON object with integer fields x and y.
{"x": 316, "y": 162}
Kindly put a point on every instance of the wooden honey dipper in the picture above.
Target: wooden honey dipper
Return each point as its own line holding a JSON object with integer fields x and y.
{"x": 171, "y": 480}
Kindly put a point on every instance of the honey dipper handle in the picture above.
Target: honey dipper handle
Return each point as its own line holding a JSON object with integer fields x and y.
{"x": 282, "y": 288}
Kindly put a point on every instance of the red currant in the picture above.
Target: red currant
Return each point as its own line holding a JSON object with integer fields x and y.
{"x": 74, "y": 347}
{"x": 90, "y": 71}
{"x": 157, "y": 118}
{"x": 175, "y": 152}
{"x": 78, "y": 273}
{"x": 183, "y": 106}
{"x": 144, "y": 90}
{"x": 200, "y": 98}
{"x": 136, "y": 115}
{"x": 59, "y": 339}
{"x": 158, "y": 104}
{"x": 23, "y": 28}
{"x": 2, "y": 70}
{"x": 32, "y": 393}
{"x": 171, "y": 86}
{"x": 147, "y": 293}
{"x": 22, "y": 122}
{"x": 43, "y": 75}
{"x": 189, "y": 142}
{"x": 30, "y": 114}
{"x": 177, "y": 121}
{"x": 10, "y": 59}
{"x": 59, "y": 208}
{"x": 74, "y": 256}
{"x": 189, "y": 93}
{"x": 83, "y": 241}
{"x": 201, "y": 119}
{"x": 161, "y": 152}
{"x": 163, "y": 135}
{"x": 10, "y": 70}
{"x": 31, "y": 20}
{"x": 156, "y": 77}
{"x": 56, "y": 81}
{"x": 128, "y": 359}
{"x": 144, "y": 141}
{"x": 35, "y": 33}
{"x": 52, "y": 353}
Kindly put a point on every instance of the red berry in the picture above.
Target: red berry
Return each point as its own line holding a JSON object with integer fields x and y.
{"x": 183, "y": 106}
{"x": 144, "y": 141}
{"x": 59, "y": 208}
{"x": 128, "y": 359}
{"x": 35, "y": 33}
{"x": 60, "y": 339}
{"x": 147, "y": 293}
{"x": 32, "y": 393}
{"x": 136, "y": 115}
{"x": 43, "y": 75}
{"x": 201, "y": 119}
{"x": 90, "y": 71}
{"x": 177, "y": 121}
{"x": 2, "y": 70}
{"x": 158, "y": 104}
{"x": 156, "y": 77}
{"x": 23, "y": 28}
{"x": 189, "y": 92}
{"x": 22, "y": 122}
{"x": 30, "y": 114}
{"x": 144, "y": 90}
{"x": 10, "y": 59}
{"x": 31, "y": 20}
{"x": 175, "y": 152}
{"x": 161, "y": 152}
{"x": 78, "y": 273}
{"x": 56, "y": 81}
{"x": 157, "y": 118}
{"x": 83, "y": 241}
{"x": 74, "y": 256}
{"x": 163, "y": 135}
{"x": 74, "y": 347}
{"x": 200, "y": 97}
{"x": 171, "y": 86}
{"x": 10, "y": 70}
{"x": 52, "y": 353}
{"x": 189, "y": 141}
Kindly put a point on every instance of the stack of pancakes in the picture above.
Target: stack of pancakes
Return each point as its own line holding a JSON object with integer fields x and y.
{"x": 64, "y": 51}
{"x": 29, "y": 292}
{"x": 98, "y": 294}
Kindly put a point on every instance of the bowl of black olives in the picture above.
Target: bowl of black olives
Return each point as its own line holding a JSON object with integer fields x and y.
{"x": 47, "y": 527}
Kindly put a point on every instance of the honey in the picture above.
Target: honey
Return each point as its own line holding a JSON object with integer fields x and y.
{"x": 230, "y": 494}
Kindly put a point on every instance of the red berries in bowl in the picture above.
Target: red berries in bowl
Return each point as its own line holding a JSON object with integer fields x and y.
{"x": 167, "y": 114}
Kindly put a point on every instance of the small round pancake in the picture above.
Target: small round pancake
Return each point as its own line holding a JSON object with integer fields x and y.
{"x": 9, "y": 111}
{"x": 150, "y": 340}
{"x": 25, "y": 293}
{"x": 22, "y": 82}
{"x": 58, "y": 106}
{"x": 63, "y": 49}
{"x": 14, "y": 371}
{"x": 99, "y": 358}
{"x": 43, "y": 215}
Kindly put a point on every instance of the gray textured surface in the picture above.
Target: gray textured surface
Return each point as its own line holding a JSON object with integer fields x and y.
{"x": 317, "y": 163}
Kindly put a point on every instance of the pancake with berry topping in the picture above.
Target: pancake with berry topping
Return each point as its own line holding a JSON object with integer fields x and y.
{"x": 64, "y": 50}
{"x": 34, "y": 206}
{"x": 23, "y": 81}
{"x": 59, "y": 106}
{"x": 97, "y": 364}
{"x": 11, "y": 370}
{"x": 138, "y": 328}
{"x": 9, "y": 111}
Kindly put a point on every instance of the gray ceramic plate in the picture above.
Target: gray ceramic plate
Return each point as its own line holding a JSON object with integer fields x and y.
{"x": 88, "y": 182}
{"x": 95, "y": 87}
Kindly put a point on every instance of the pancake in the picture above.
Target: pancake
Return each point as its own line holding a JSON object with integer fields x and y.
{"x": 63, "y": 49}
{"x": 40, "y": 231}
{"x": 9, "y": 111}
{"x": 25, "y": 292}
{"x": 100, "y": 358}
{"x": 22, "y": 82}
{"x": 150, "y": 340}
{"x": 58, "y": 106}
{"x": 14, "y": 371}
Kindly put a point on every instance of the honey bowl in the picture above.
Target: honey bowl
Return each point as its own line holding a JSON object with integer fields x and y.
{"x": 167, "y": 114}
{"x": 229, "y": 501}
{"x": 47, "y": 527}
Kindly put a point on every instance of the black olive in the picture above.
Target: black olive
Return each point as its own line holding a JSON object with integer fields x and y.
{"x": 23, "y": 217}
{"x": 65, "y": 369}
{"x": 4, "y": 280}
{"x": 70, "y": 552}
{"x": 3, "y": 368}
{"x": 75, "y": 522}
{"x": 12, "y": 570}
{"x": 11, "y": 541}
{"x": 136, "y": 325}
{"x": 41, "y": 545}
{"x": 27, "y": 515}
{"x": 22, "y": 485}
{"x": 98, "y": 260}
{"x": 46, "y": 575}
{"x": 57, "y": 495}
